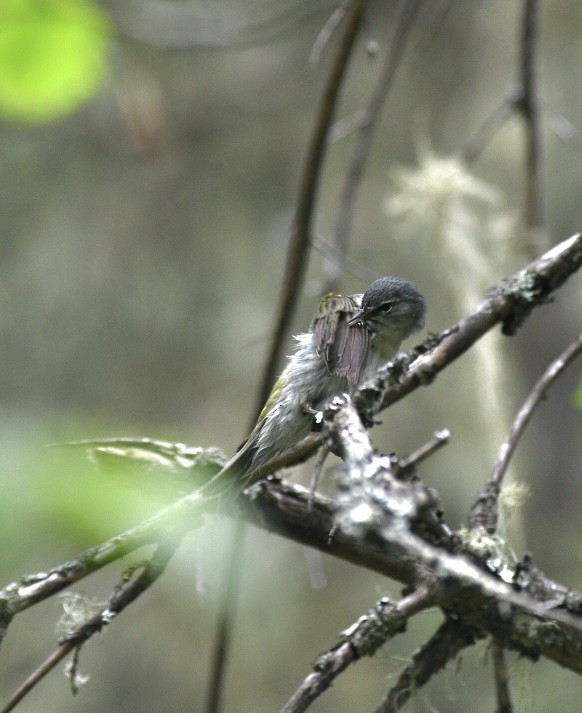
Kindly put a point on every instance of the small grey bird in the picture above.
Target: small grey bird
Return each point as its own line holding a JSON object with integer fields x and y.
{"x": 349, "y": 340}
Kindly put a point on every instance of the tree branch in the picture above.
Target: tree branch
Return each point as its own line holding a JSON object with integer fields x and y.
{"x": 485, "y": 511}
{"x": 364, "y": 638}
{"x": 501, "y": 679}
{"x": 122, "y": 596}
{"x": 443, "y": 646}
{"x": 523, "y": 99}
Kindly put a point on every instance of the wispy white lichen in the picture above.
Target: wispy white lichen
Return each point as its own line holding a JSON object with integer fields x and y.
{"x": 77, "y": 610}
{"x": 436, "y": 186}
{"x": 461, "y": 220}
{"x": 443, "y": 199}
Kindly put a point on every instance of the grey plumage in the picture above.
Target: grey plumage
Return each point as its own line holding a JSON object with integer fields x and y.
{"x": 350, "y": 338}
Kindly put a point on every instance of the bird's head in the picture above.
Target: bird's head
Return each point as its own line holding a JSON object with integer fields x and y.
{"x": 391, "y": 304}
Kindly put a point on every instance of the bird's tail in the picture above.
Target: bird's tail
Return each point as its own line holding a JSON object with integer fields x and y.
{"x": 235, "y": 475}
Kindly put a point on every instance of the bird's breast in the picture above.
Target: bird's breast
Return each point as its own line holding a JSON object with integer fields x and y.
{"x": 386, "y": 344}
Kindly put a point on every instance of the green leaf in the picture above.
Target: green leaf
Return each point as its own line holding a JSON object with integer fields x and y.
{"x": 53, "y": 56}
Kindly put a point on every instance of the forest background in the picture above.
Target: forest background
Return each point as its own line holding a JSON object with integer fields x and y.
{"x": 144, "y": 243}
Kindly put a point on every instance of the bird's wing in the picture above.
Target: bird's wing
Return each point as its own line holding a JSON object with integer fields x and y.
{"x": 344, "y": 347}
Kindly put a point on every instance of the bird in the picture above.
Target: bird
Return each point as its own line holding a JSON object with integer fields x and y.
{"x": 349, "y": 339}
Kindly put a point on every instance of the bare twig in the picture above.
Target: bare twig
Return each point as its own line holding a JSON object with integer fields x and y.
{"x": 124, "y": 595}
{"x": 364, "y": 638}
{"x": 446, "y": 643}
{"x": 501, "y": 679}
{"x": 405, "y": 465}
{"x": 37, "y": 675}
{"x": 522, "y": 99}
{"x": 485, "y": 511}
{"x": 317, "y": 469}
{"x": 327, "y": 31}
{"x": 529, "y": 109}
{"x": 491, "y": 125}
{"x": 226, "y": 616}
{"x": 406, "y": 13}
{"x": 180, "y": 517}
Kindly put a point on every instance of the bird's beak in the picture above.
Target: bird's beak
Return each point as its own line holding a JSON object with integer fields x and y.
{"x": 360, "y": 316}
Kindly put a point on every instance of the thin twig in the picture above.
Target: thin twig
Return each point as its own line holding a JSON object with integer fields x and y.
{"x": 524, "y": 99}
{"x": 485, "y": 511}
{"x": 230, "y": 585}
{"x": 364, "y": 638}
{"x": 403, "y": 23}
{"x": 501, "y": 678}
{"x": 491, "y": 125}
{"x": 317, "y": 469}
{"x": 172, "y": 521}
{"x": 525, "y": 413}
{"x": 119, "y": 600}
{"x": 443, "y": 646}
{"x": 327, "y": 31}
{"x": 37, "y": 675}
{"x": 405, "y": 465}
{"x": 529, "y": 108}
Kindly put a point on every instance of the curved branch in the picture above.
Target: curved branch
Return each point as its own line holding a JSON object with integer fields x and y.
{"x": 364, "y": 638}
{"x": 448, "y": 641}
{"x": 484, "y": 512}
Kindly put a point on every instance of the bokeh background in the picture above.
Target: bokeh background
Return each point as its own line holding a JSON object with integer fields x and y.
{"x": 143, "y": 247}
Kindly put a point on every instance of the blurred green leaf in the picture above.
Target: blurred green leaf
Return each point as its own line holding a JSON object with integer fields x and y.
{"x": 52, "y": 56}
{"x": 82, "y": 503}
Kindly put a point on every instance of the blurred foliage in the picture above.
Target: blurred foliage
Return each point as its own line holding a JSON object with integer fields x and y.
{"x": 53, "y": 56}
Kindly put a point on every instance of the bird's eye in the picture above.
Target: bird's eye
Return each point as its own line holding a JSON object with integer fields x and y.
{"x": 386, "y": 308}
